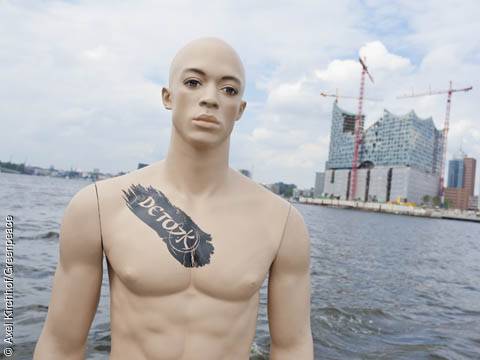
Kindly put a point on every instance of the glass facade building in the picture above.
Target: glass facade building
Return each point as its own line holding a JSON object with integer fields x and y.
{"x": 455, "y": 173}
{"x": 391, "y": 141}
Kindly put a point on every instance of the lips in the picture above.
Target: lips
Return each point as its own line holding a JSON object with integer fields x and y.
{"x": 206, "y": 118}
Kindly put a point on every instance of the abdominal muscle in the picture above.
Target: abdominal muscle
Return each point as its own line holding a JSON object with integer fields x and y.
{"x": 186, "y": 325}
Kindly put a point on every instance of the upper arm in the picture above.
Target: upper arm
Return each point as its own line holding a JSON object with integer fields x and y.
{"x": 77, "y": 281}
{"x": 289, "y": 293}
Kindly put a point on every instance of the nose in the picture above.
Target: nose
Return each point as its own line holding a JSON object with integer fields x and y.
{"x": 209, "y": 98}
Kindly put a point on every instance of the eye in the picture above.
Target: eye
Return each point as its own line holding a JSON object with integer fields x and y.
{"x": 192, "y": 83}
{"x": 230, "y": 90}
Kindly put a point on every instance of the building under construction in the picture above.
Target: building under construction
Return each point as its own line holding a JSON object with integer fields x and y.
{"x": 399, "y": 157}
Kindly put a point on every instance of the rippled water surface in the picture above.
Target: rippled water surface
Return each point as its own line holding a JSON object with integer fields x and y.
{"x": 383, "y": 286}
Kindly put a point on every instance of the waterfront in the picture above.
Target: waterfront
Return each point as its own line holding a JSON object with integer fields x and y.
{"x": 435, "y": 213}
{"x": 383, "y": 286}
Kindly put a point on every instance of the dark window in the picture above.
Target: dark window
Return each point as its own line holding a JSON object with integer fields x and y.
{"x": 348, "y": 123}
{"x": 348, "y": 184}
{"x": 367, "y": 185}
{"x": 389, "y": 184}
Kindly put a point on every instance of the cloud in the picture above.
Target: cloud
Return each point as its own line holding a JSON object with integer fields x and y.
{"x": 339, "y": 71}
{"x": 84, "y": 78}
{"x": 379, "y": 57}
{"x": 261, "y": 134}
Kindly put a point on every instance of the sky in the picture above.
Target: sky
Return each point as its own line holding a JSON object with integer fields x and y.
{"x": 80, "y": 81}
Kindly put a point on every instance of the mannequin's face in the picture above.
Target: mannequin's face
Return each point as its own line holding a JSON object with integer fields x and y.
{"x": 206, "y": 78}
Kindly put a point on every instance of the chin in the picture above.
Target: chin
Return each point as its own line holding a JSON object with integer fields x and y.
{"x": 204, "y": 141}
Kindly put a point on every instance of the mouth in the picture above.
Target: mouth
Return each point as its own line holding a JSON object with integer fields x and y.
{"x": 207, "y": 118}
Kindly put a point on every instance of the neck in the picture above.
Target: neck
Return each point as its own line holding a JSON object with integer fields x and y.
{"x": 196, "y": 171}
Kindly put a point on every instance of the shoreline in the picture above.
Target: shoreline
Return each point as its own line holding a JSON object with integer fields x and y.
{"x": 453, "y": 214}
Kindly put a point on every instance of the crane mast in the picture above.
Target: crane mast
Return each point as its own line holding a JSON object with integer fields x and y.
{"x": 358, "y": 130}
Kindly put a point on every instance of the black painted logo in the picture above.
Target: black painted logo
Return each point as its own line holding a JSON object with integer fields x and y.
{"x": 187, "y": 243}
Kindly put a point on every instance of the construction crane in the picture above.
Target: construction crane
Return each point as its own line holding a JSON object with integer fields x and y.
{"x": 449, "y": 91}
{"x": 337, "y": 96}
{"x": 358, "y": 129}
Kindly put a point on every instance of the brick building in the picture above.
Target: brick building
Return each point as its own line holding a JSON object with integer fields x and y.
{"x": 462, "y": 195}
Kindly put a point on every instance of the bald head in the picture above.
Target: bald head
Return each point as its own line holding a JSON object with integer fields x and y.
{"x": 207, "y": 52}
{"x": 206, "y": 78}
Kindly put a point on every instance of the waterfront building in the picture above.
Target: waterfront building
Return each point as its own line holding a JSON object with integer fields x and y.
{"x": 462, "y": 196}
{"x": 457, "y": 198}
{"x": 382, "y": 184}
{"x": 469, "y": 169}
{"x": 391, "y": 141}
{"x": 306, "y": 193}
{"x": 455, "y": 173}
{"x": 319, "y": 184}
{"x": 399, "y": 157}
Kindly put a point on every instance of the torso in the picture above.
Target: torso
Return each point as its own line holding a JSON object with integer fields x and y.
{"x": 162, "y": 309}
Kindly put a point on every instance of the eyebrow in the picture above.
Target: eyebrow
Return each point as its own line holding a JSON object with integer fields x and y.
{"x": 201, "y": 72}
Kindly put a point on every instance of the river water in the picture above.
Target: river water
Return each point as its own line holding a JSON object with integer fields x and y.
{"x": 383, "y": 286}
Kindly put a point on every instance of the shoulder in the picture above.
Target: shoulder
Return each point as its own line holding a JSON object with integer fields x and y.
{"x": 294, "y": 251}
{"x": 82, "y": 202}
{"x": 295, "y": 220}
{"x": 263, "y": 197}
{"x": 269, "y": 210}
{"x": 80, "y": 237}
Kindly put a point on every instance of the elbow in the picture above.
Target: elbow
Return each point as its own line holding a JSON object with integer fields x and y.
{"x": 50, "y": 348}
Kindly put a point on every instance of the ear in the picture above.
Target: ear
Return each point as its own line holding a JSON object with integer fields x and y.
{"x": 167, "y": 98}
{"x": 243, "y": 105}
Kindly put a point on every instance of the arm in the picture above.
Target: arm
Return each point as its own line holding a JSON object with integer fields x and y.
{"x": 77, "y": 282}
{"x": 289, "y": 294}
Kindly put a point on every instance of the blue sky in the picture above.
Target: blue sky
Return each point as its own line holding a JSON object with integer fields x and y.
{"x": 81, "y": 80}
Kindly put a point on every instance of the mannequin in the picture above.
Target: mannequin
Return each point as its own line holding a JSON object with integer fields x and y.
{"x": 188, "y": 240}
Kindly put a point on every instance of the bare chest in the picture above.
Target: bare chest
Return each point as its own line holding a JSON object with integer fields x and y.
{"x": 221, "y": 251}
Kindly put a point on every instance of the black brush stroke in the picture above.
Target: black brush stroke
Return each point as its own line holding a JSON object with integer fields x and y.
{"x": 194, "y": 253}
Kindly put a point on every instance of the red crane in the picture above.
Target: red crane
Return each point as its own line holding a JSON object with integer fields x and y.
{"x": 450, "y": 91}
{"x": 337, "y": 96}
{"x": 358, "y": 129}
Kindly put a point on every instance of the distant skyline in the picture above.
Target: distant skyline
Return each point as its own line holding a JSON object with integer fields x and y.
{"x": 81, "y": 80}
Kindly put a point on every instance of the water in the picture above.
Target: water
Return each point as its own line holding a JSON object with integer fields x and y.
{"x": 383, "y": 286}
